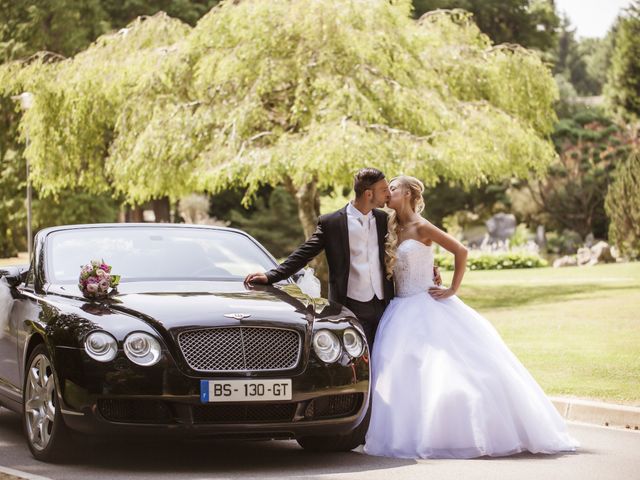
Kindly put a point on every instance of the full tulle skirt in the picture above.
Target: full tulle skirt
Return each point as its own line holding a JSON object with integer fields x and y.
{"x": 445, "y": 385}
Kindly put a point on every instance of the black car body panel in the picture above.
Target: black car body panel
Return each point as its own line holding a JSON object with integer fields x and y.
{"x": 120, "y": 396}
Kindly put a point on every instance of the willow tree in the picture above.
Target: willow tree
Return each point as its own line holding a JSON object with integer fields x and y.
{"x": 286, "y": 92}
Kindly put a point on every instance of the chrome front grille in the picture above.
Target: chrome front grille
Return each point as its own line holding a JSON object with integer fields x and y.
{"x": 240, "y": 349}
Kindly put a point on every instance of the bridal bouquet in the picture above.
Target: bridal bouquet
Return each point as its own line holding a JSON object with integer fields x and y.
{"x": 96, "y": 279}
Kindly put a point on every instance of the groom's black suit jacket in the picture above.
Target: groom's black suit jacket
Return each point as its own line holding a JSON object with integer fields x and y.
{"x": 332, "y": 236}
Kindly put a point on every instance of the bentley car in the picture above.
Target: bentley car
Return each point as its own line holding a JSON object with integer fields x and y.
{"x": 180, "y": 346}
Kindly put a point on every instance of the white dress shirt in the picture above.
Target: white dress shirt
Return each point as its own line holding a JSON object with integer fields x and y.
{"x": 365, "y": 271}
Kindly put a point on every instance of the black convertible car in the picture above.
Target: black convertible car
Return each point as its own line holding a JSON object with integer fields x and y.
{"x": 181, "y": 346}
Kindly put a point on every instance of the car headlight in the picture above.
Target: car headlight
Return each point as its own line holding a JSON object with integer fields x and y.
{"x": 326, "y": 346}
{"x": 353, "y": 343}
{"x": 101, "y": 346}
{"x": 142, "y": 349}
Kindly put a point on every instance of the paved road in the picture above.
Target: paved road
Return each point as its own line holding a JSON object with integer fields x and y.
{"x": 605, "y": 454}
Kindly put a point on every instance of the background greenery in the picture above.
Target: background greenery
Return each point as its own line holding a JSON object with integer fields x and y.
{"x": 582, "y": 68}
{"x": 549, "y": 134}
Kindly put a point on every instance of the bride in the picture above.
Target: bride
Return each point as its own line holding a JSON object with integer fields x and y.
{"x": 444, "y": 383}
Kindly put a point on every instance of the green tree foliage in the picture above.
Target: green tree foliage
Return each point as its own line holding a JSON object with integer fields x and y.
{"x": 583, "y": 63}
{"x": 122, "y": 12}
{"x": 68, "y": 26}
{"x": 274, "y": 222}
{"x": 292, "y": 93}
{"x": 623, "y": 82}
{"x": 530, "y": 23}
{"x": 597, "y": 54}
{"x": 623, "y": 206}
{"x": 30, "y": 26}
{"x": 446, "y": 198}
{"x": 571, "y": 195}
{"x": 12, "y": 211}
{"x": 60, "y": 26}
{"x": 272, "y": 218}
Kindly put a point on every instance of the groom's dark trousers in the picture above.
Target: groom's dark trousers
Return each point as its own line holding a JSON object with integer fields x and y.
{"x": 369, "y": 314}
{"x": 332, "y": 236}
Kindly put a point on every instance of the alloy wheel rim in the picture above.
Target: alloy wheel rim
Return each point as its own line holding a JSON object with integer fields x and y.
{"x": 40, "y": 407}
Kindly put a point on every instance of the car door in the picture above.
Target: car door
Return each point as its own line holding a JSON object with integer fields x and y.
{"x": 9, "y": 365}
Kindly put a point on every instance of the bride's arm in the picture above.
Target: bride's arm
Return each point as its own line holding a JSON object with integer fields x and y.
{"x": 428, "y": 231}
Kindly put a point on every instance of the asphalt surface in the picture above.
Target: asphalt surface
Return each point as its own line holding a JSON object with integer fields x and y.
{"x": 605, "y": 453}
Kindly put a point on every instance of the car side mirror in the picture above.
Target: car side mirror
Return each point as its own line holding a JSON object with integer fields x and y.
{"x": 14, "y": 275}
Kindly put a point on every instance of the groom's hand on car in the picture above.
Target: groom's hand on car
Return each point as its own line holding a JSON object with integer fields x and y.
{"x": 253, "y": 278}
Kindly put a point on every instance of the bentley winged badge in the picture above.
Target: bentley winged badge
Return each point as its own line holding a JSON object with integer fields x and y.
{"x": 237, "y": 316}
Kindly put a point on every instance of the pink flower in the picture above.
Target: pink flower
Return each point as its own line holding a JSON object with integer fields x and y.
{"x": 95, "y": 279}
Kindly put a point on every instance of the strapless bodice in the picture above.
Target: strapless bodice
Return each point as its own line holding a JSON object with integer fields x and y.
{"x": 413, "y": 271}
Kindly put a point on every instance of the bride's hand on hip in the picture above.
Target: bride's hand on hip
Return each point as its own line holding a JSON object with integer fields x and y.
{"x": 440, "y": 293}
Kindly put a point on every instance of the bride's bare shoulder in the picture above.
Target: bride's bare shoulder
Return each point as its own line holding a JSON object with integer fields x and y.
{"x": 426, "y": 231}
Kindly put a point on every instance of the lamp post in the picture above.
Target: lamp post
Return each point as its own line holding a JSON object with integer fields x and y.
{"x": 26, "y": 102}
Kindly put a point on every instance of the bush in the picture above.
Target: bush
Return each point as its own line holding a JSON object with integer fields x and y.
{"x": 623, "y": 206}
{"x": 478, "y": 260}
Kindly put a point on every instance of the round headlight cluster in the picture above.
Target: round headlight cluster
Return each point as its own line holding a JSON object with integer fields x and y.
{"x": 142, "y": 349}
{"x": 101, "y": 346}
{"x": 328, "y": 347}
{"x": 353, "y": 343}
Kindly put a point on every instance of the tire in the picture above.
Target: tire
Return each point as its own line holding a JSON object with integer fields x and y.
{"x": 337, "y": 443}
{"x": 47, "y": 435}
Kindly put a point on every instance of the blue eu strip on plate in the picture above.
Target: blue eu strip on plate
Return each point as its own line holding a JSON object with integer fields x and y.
{"x": 204, "y": 391}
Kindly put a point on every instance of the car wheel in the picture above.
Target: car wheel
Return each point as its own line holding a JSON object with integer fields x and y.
{"x": 336, "y": 443}
{"x": 47, "y": 435}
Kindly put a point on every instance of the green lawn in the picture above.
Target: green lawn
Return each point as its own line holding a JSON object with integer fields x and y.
{"x": 576, "y": 329}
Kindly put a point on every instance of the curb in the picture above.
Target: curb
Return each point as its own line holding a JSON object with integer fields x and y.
{"x": 598, "y": 413}
{"x": 11, "y": 474}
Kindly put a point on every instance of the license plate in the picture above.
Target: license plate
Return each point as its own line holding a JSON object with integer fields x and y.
{"x": 244, "y": 390}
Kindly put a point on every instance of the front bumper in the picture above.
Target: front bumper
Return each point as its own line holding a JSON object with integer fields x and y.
{"x": 122, "y": 398}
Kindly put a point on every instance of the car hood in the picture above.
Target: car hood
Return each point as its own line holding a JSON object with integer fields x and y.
{"x": 184, "y": 305}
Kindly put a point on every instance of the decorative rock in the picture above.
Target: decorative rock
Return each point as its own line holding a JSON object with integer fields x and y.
{"x": 589, "y": 240}
{"x": 501, "y": 226}
{"x": 601, "y": 253}
{"x": 566, "y": 261}
{"x": 583, "y": 256}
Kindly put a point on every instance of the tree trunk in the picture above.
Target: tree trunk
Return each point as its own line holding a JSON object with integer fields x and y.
{"x": 308, "y": 200}
{"x": 162, "y": 209}
{"x": 133, "y": 214}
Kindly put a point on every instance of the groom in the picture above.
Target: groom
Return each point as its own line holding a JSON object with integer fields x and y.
{"x": 353, "y": 240}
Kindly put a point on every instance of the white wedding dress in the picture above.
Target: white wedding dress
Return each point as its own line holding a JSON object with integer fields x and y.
{"x": 444, "y": 383}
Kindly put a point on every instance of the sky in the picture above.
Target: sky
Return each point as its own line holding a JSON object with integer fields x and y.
{"x": 591, "y": 18}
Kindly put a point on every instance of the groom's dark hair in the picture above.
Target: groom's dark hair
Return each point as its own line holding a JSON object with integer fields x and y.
{"x": 365, "y": 178}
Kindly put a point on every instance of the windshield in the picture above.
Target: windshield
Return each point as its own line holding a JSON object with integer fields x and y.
{"x": 158, "y": 253}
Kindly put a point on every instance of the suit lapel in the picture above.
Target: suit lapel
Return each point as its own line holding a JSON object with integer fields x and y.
{"x": 381, "y": 226}
{"x": 344, "y": 231}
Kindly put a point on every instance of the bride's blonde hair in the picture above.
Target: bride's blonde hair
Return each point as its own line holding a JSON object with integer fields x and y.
{"x": 416, "y": 188}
